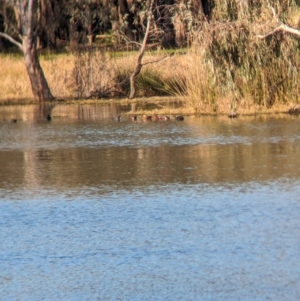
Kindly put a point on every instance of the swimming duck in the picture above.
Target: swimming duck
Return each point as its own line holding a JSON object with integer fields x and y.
{"x": 147, "y": 117}
{"x": 179, "y": 117}
{"x": 13, "y": 120}
{"x": 160, "y": 117}
{"x": 49, "y": 117}
{"x": 155, "y": 118}
{"x": 133, "y": 118}
{"x": 295, "y": 110}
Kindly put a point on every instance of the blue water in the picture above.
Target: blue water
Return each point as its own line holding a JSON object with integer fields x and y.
{"x": 168, "y": 229}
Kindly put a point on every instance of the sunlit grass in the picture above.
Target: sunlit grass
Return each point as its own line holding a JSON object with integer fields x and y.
{"x": 58, "y": 70}
{"x": 14, "y": 81}
{"x": 77, "y": 75}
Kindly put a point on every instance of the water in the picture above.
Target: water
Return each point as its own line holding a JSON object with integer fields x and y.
{"x": 93, "y": 209}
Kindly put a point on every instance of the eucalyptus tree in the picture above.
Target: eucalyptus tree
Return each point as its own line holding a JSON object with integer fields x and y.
{"x": 22, "y": 28}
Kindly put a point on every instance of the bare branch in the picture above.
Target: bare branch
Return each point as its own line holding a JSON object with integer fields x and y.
{"x": 274, "y": 14}
{"x": 12, "y": 40}
{"x": 139, "y": 64}
{"x": 156, "y": 61}
{"x": 147, "y": 28}
{"x": 282, "y": 27}
{"x": 133, "y": 42}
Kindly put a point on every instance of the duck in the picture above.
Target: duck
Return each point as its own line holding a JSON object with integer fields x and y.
{"x": 295, "y": 110}
{"x": 147, "y": 117}
{"x": 160, "y": 117}
{"x": 133, "y": 118}
{"x": 49, "y": 117}
{"x": 13, "y": 120}
{"x": 179, "y": 118}
{"x": 155, "y": 118}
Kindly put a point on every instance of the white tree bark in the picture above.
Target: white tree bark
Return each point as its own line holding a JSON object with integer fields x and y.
{"x": 281, "y": 27}
{"x": 27, "y": 44}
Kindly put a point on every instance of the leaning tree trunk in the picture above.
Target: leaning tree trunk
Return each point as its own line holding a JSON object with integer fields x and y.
{"x": 139, "y": 64}
{"x": 39, "y": 85}
{"x": 26, "y": 13}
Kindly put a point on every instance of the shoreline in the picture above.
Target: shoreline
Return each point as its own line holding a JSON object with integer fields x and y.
{"x": 159, "y": 105}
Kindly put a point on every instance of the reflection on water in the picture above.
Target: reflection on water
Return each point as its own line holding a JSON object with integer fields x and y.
{"x": 39, "y": 113}
{"x": 205, "y": 209}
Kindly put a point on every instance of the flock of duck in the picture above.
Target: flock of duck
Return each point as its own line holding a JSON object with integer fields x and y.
{"x": 151, "y": 118}
{"x": 294, "y": 110}
{"x": 133, "y": 118}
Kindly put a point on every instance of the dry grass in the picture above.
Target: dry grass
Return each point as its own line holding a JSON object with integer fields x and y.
{"x": 15, "y": 85}
{"x": 14, "y": 81}
{"x": 58, "y": 71}
{"x": 231, "y": 69}
{"x": 74, "y": 75}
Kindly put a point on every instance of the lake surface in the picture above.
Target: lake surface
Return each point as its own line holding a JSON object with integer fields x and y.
{"x": 94, "y": 209}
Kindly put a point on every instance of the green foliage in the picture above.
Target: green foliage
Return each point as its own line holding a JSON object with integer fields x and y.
{"x": 150, "y": 83}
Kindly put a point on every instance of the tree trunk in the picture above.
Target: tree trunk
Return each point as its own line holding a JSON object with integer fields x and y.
{"x": 139, "y": 64}
{"x": 126, "y": 16}
{"x": 26, "y": 13}
{"x": 39, "y": 85}
{"x": 136, "y": 72}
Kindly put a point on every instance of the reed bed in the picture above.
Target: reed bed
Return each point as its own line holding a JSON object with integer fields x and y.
{"x": 233, "y": 69}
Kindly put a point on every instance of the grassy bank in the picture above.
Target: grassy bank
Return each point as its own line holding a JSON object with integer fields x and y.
{"x": 206, "y": 79}
{"x": 235, "y": 63}
{"x": 233, "y": 66}
{"x": 89, "y": 74}
{"x": 192, "y": 79}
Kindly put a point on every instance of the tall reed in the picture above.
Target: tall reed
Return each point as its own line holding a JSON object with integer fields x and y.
{"x": 230, "y": 61}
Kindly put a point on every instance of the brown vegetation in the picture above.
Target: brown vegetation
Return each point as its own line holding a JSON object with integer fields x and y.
{"x": 74, "y": 78}
{"x": 244, "y": 58}
{"x": 87, "y": 75}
